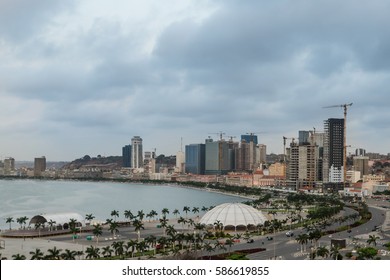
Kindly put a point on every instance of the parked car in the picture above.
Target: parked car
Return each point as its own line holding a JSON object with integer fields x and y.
{"x": 250, "y": 241}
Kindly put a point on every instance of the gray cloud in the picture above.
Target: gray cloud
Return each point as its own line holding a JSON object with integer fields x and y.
{"x": 253, "y": 66}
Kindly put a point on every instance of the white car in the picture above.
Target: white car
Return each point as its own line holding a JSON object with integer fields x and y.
{"x": 289, "y": 233}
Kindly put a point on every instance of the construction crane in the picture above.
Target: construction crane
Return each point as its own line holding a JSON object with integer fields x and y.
{"x": 345, "y": 106}
{"x": 231, "y": 138}
{"x": 284, "y": 145}
{"x": 218, "y": 133}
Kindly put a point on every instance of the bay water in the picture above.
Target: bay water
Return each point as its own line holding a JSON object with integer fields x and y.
{"x": 20, "y": 198}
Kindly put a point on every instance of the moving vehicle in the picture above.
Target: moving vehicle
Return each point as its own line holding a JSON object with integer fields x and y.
{"x": 289, "y": 233}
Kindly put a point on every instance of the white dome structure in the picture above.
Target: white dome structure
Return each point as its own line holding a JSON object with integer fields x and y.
{"x": 234, "y": 215}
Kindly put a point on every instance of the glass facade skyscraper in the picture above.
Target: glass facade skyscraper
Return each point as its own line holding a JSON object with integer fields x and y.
{"x": 126, "y": 156}
{"x": 195, "y": 159}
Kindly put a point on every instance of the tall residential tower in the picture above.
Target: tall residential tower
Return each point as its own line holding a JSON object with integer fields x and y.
{"x": 136, "y": 152}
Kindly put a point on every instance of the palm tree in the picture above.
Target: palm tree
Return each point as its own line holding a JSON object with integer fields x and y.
{"x": 195, "y": 210}
{"x": 302, "y": 239}
{"x": 129, "y": 215}
{"x": 141, "y": 247}
{"x": 218, "y": 226}
{"x": 113, "y": 227}
{"x": 37, "y": 254}
{"x": 182, "y": 220}
{"x": 209, "y": 249}
{"x": 164, "y": 223}
{"x": 107, "y": 251}
{"x": 53, "y": 254}
{"x": 165, "y": 211}
{"x": 186, "y": 209}
{"x": 131, "y": 244}
{"x": 92, "y": 253}
{"x": 322, "y": 252}
{"x": 141, "y": 215}
{"x": 176, "y": 212}
{"x": 151, "y": 240}
{"x": 9, "y": 220}
{"x": 138, "y": 225}
{"x": 22, "y": 221}
{"x": 335, "y": 253}
{"x": 372, "y": 239}
{"x": 115, "y": 214}
{"x": 18, "y": 257}
{"x": 230, "y": 243}
{"x": 204, "y": 208}
{"x": 51, "y": 224}
{"x": 68, "y": 255}
{"x": 97, "y": 231}
{"x": 89, "y": 218}
{"x": 315, "y": 235}
{"x": 118, "y": 248}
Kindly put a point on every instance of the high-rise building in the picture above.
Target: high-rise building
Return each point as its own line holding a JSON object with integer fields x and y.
{"x": 39, "y": 166}
{"x": 360, "y": 152}
{"x": 9, "y": 165}
{"x": 261, "y": 156}
{"x": 217, "y": 157}
{"x": 360, "y": 163}
{"x": 249, "y": 138}
{"x": 195, "y": 158}
{"x": 180, "y": 161}
{"x": 246, "y": 156}
{"x": 126, "y": 156}
{"x": 136, "y": 152}
{"x": 333, "y": 149}
{"x": 304, "y": 137}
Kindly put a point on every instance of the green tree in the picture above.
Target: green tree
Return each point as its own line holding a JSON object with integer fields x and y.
{"x": 176, "y": 212}
{"x": 18, "y": 257}
{"x": 367, "y": 253}
{"x": 92, "y": 253}
{"x": 107, "y": 251}
{"x": 37, "y": 254}
{"x": 335, "y": 253}
{"x": 89, "y": 218}
{"x": 113, "y": 228}
{"x": 9, "y": 220}
{"x": 129, "y": 215}
{"x": 97, "y": 231}
{"x": 22, "y": 221}
{"x": 322, "y": 252}
{"x": 372, "y": 239}
{"x": 165, "y": 211}
{"x": 186, "y": 209}
{"x": 68, "y": 255}
{"x": 138, "y": 225}
{"x": 302, "y": 240}
{"x": 53, "y": 254}
{"x": 115, "y": 214}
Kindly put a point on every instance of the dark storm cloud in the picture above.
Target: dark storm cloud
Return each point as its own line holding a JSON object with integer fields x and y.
{"x": 246, "y": 66}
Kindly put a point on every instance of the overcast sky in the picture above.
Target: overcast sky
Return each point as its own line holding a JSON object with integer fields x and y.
{"x": 84, "y": 77}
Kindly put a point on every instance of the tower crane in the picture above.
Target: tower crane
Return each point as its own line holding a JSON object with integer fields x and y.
{"x": 284, "y": 145}
{"x": 345, "y": 106}
{"x": 219, "y": 133}
{"x": 231, "y": 138}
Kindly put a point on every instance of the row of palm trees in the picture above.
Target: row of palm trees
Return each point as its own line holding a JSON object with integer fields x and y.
{"x": 172, "y": 242}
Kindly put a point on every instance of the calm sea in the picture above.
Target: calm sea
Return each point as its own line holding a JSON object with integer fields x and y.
{"x": 32, "y": 197}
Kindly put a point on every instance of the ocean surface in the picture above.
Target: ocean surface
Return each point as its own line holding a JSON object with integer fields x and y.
{"x": 20, "y": 198}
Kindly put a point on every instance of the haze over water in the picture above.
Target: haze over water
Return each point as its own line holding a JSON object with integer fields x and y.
{"x": 32, "y": 197}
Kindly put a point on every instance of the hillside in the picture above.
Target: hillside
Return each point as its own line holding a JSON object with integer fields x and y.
{"x": 87, "y": 160}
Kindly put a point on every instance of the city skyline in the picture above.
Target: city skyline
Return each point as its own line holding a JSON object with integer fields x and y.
{"x": 84, "y": 78}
